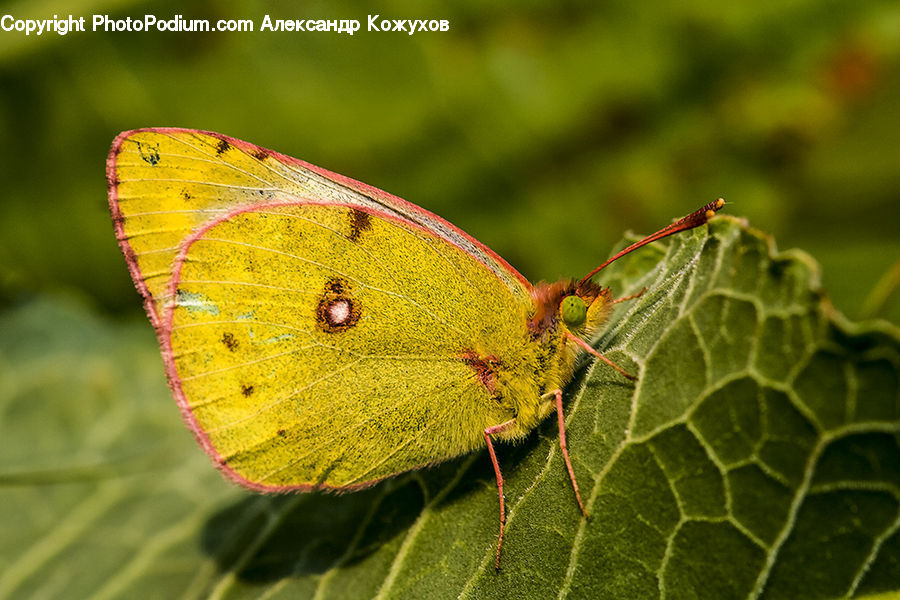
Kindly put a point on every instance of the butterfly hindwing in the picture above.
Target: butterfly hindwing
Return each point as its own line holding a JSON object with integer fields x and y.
{"x": 329, "y": 345}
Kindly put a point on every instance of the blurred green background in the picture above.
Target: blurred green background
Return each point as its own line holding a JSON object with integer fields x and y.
{"x": 544, "y": 129}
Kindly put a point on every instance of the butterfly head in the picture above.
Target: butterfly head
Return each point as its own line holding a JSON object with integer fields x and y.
{"x": 580, "y": 308}
{"x": 585, "y": 309}
{"x": 583, "y": 306}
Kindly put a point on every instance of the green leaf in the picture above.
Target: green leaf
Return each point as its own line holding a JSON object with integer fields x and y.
{"x": 756, "y": 456}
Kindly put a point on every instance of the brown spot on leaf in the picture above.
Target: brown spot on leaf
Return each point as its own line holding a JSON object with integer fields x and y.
{"x": 229, "y": 341}
{"x": 359, "y": 222}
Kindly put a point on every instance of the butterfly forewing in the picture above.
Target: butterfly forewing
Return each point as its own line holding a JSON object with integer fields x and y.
{"x": 329, "y": 345}
{"x": 167, "y": 183}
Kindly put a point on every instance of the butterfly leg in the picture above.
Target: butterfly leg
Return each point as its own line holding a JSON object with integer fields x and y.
{"x": 565, "y": 450}
{"x": 487, "y": 438}
{"x": 590, "y": 350}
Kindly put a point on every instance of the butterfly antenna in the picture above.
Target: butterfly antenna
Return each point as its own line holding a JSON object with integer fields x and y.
{"x": 695, "y": 219}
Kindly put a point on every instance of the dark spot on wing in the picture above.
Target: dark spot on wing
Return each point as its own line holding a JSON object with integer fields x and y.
{"x": 485, "y": 368}
{"x": 186, "y": 195}
{"x": 222, "y": 147}
{"x": 359, "y": 222}
{"x": 149, "y": 153}
{"x": 229, "y": 341}
{"x": 247, "y": 390}
{"x": 321, "y": 479}
{"x": 335, "y": 285}
{"x": 282, "y": 433}
{"x": 260, "y": 153}
{"x": 336, "y": 310}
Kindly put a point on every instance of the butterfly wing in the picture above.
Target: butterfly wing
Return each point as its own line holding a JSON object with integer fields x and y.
{"x": 167, "y": 183}
{"x": 325, "y": 345}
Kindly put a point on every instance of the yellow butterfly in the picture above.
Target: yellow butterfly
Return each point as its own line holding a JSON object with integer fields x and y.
{"x": 319, "y": 333}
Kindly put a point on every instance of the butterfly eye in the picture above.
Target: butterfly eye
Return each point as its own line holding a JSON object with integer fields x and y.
{"x": 573, "y": 311}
